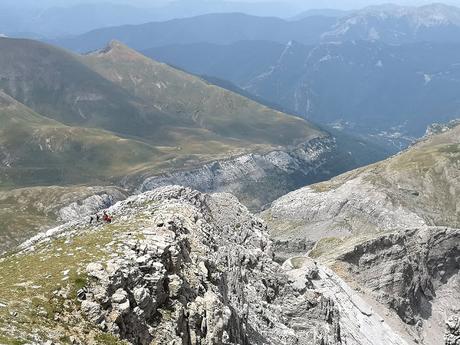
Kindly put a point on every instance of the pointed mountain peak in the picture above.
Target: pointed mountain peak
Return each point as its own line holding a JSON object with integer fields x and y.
{"x": 117, "y": 45}
{"x": 6, "y": 100}
{"x": 118, "y": 51}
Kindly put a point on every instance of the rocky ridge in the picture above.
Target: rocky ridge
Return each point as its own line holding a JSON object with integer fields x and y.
{"x": 178, "y": 266}
{"x": 256, "y": 179}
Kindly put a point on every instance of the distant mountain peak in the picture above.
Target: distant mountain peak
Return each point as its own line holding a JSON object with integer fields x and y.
{"x": 396, "y": 24}
{"x": 5, "y": 100}
{"x": 118, "y": 51}
{"x": 436, "y": 13}
{"x": 114, "y": 46}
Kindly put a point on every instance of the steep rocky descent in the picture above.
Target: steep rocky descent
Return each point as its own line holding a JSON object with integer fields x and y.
{"x": 390, "y": 230}
{"x": 453, "y": 331}
{"x": 412, "y": 273}
{"x": 177, "y": 266}
{"x": 415, "y": 188}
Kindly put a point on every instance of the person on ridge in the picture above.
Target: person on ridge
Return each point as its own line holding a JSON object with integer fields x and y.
{"x": 106, "y": 218}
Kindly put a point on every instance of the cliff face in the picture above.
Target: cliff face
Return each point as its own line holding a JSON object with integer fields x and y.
{"x": 178, "y": 266}
{"x": 414, "y": 273}
{"x": 258, "y": 179}
{"x": 391, "y": 231}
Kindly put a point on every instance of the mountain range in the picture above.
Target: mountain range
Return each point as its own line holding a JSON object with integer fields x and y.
{"x": 113, "y": 119}
{"x": 258, "y": 180}
{"x": 51, "y": 19}
{"x": 337, "y": 70}
{"x": 388, "y": 93}
{"x": 219, "y": 28}
{"x": 390, "y": 24}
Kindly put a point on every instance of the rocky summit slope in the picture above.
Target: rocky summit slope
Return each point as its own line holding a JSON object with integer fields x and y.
{"x": 177, "y": 267}
{"x": 419, "y": 187}
{"x": 413, "y": 273}
{"x": 390, "y": 230}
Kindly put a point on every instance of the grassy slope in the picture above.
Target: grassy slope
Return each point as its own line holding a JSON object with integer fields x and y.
{"x": 124, "y": 92}
{"x": 196, "y": 102}
{"x": 431, "y": 169}
{"x": 35, "y": 150}
{"x": 29, "y": 306}
{"x": 55, "y": 83}
{"x": 24, "y": 211}
{"x": 136, "y": 97}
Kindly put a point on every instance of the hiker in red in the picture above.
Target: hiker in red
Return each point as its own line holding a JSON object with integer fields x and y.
{"x": 106, "y": 218}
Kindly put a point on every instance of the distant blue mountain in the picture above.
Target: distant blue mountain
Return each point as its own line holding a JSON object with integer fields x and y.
{"x": 223, "y": 28}
{"x": 61, "y": 18}
{"x": 385, "y": 91}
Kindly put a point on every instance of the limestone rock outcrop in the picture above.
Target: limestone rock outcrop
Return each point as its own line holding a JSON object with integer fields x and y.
{"x": 453, "y": 330}
{"x": 258, "y": 179}
{"x": 416, "y": 188}
{"x": 182, "y": 267}
{"x": 415, "y": 273}
{"x": 90, "y": 205}
{"x": 202, "y": 274}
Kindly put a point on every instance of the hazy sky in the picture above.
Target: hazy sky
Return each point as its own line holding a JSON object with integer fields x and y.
{"x": 344, "y": 4}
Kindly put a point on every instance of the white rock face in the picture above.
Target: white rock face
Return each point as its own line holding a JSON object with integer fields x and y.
{"x": 359, "y": 323}
{"x": 413, "y": 272}
{"x": 89, "y": 206}
{"x": 354, "y": 207}
{"x": 453, "y": 331}
{"x": 258, "y": 179}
